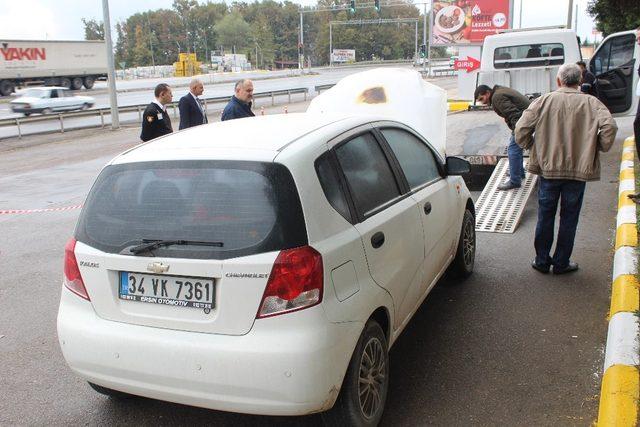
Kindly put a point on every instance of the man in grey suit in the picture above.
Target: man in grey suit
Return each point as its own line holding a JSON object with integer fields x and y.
{"x": 191, "y": 107}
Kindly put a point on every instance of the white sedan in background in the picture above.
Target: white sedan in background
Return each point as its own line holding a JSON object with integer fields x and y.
{"x": 265, "y": 265}
{"x": 49, "y": 99}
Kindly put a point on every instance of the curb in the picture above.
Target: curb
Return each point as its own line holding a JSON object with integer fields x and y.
{"x": 458, "y": 105}
{"x": 621, "y": 380}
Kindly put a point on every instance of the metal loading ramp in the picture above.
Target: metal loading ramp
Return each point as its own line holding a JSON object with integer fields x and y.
{"x": 500, "y": 211}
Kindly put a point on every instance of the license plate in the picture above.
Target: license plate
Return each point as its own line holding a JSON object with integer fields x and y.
{"x": 196, "y": 292}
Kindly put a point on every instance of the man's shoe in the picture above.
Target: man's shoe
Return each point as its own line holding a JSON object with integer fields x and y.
{"x": 573, "y": 266}
{"x": 508, "y": 186}
{"x": 544, "y": 269}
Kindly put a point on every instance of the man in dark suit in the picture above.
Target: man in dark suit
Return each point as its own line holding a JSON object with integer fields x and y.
{"x": 240, "y": 104}
{"x": 155, "y": 119}
{"x": 191, "y": 107}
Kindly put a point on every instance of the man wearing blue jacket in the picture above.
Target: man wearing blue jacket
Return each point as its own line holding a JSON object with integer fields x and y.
{"x": 240, "y": 104}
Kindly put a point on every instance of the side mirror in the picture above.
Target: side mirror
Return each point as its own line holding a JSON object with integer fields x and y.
{"x": 457, "y": 166}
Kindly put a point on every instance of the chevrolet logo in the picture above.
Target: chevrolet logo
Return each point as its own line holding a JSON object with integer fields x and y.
{"x": 158, "y": 267}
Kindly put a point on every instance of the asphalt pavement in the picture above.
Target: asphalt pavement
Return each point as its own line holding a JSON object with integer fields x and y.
{"x": 509, "y": 346}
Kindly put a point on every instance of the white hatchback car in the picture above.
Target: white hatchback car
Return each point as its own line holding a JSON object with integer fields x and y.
{"x": 49, "y": 99}
{"x": 262, "y": 265}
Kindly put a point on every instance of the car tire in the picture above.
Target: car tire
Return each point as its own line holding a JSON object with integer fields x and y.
{"x": 85, "y": 106}
{"x": 65, "y": 82}
{"x": 6, "y": 87}
{"x": 462, "y": 265}
{"x": 364, "y": 389}
{"x": 89, "y": 82}
{"x": 26, "y": 114}
{"x": 115, "y": 394}
{"x": 76, "y": 83}
{"x": 47, "y": 111}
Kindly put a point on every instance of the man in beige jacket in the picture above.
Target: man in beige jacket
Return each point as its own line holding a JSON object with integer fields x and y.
{"x": 570, "y": 128}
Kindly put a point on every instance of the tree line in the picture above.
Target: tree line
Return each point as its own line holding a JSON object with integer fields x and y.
{"x": 267, "y": 27}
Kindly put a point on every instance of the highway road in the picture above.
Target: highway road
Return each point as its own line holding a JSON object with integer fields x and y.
{"x": 141, "y": 92}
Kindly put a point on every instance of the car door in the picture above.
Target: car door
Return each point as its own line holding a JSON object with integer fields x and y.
{"x": 436, "y": 198}
{"x": 387, "y": 219}
{"x": 67, "y": 100}
{"x": 615, "y": 64}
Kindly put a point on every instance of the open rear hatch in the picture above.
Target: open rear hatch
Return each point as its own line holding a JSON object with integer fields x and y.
{"x": 186, "y": 245}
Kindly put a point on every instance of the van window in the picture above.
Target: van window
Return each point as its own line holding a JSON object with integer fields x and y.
{"x": 251, "y": 207}
{"x": 530, "y": 55}
{"x": 615, "y": 53}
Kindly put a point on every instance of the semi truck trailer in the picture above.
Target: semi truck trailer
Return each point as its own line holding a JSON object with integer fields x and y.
{"x": 70, "y": 64}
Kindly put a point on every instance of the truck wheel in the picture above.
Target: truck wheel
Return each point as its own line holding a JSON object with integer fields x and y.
{"x": 76, "y": 83}
{"x": 88, "y": 82}
{"x": 6, "y": 87}
{"x": 65, "y": 82}
{"x": 364, "y": 388}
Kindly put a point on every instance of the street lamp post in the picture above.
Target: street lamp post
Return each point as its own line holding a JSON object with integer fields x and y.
{"x": 111, "y": 71}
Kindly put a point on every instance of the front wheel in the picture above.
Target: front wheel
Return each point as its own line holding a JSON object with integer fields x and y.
{"x": 47, "y": 111}
{"x": 364, "y": 389}
{"x": 462, "y": 265}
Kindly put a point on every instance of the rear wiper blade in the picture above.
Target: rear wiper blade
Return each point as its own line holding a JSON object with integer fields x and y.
{"x": 149, "y": 245}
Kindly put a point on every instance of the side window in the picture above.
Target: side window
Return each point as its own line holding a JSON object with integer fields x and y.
{"x": 54, "y": 93}
{"x": 416, "y": 159}
{"x": 530, "y": 55}
{"x": 367, "y": 172}
{"x": 330, "y": 183}
{"x": 615, "y": 53}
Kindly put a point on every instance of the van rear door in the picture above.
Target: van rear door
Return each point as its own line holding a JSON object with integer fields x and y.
{"x": 614, "y": 64}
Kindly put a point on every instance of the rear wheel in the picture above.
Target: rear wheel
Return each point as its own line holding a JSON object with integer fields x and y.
{"x": 76, "y": 83}
{"x": 65, "y": 82}
{"x": 88, "y": 82}
{"x": 364, "y": 389}
{"x": 26, "y": 114}
{"x": 6, "y": 87}
{"x": 115, "y": 394}
{"x": 462, "y": 265}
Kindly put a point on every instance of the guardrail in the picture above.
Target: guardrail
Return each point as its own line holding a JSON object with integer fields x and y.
{"x": 139, "y": 108}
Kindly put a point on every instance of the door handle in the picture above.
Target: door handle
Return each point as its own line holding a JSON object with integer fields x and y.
{"x": 427, "y": 208}
{"x": 377, "y": 239}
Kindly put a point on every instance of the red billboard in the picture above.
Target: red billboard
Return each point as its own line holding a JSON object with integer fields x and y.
{"x": 463, "y": 22}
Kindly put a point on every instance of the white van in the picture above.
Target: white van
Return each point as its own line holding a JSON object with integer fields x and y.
{"x": 527, "y": 60}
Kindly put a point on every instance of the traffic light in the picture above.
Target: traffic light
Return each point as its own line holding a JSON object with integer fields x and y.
{"x": 352, "y": 7}
{"x": 376, "y": 4}
{"x": 423, "y": 50}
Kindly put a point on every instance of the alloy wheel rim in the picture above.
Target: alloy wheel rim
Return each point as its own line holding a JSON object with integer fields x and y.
{"x": 468, "y": 242}
{"x": 372, "y": 377}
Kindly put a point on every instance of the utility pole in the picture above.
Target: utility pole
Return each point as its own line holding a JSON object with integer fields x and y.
{"x": 301, "y": 46}
{"x": 575, "y": 27}
{"x": 424, "y": 36}
{"x": 430, "y": 37}
{"x": 111, "y": 71}
{"x": 569, "y": 14}
{"x": 520, "y": 14}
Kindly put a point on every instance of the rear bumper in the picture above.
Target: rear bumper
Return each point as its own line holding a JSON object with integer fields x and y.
{"x": 286, "y": 365}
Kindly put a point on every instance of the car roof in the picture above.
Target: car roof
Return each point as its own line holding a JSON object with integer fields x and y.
{"x": 258, "y": 138}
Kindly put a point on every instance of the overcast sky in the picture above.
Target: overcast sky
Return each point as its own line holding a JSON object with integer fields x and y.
{"x": 61, "y": 19}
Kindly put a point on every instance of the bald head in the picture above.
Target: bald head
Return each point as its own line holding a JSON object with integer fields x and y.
{"x": 244, "y": 90}
{"x": 196, "y": 87}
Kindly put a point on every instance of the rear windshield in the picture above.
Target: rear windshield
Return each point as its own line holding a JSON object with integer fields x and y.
{"x": 250, "y": 207}
{"x": 533, "y": 55}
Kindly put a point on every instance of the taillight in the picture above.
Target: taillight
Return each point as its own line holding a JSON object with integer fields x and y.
{"x": 295, "y": 282}
{"x": 72, "y": 278}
